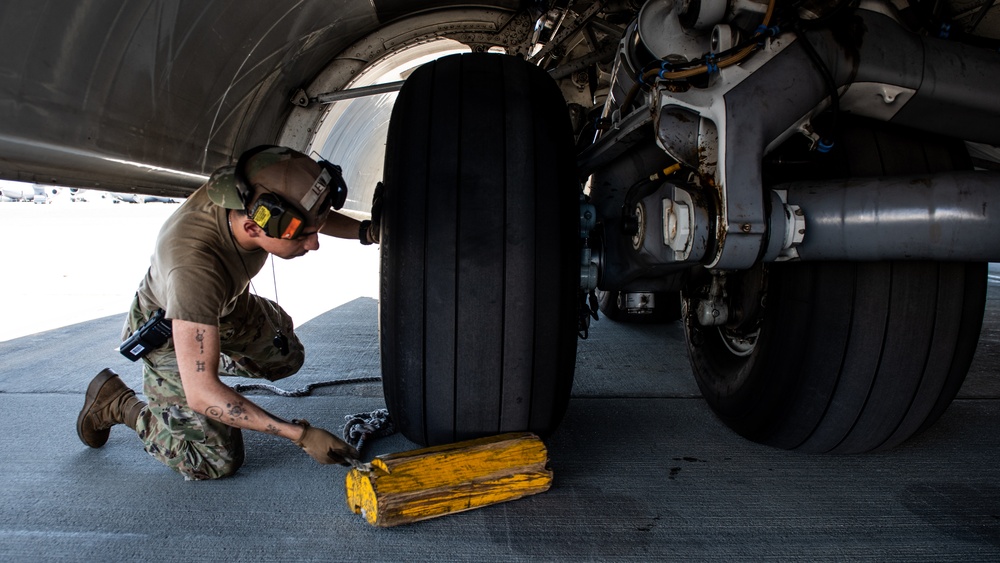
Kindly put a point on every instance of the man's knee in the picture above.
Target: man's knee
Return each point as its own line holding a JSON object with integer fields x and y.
{"x": 271, "y": 368}
{"x": 290, "y": 364}
{"x": 196, "y": 451}
{"x": 220, "y": 464}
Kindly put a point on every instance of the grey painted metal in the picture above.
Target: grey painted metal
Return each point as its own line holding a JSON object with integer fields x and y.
{"x": 942, "y": 217}
{"x": 750, "y": 109}
{"x": 603, "y": 56}
{"x": 625, "y": 133}
{"x": 947, "y": 87}
{"x": 351, "y": 93}
{"x": 958, "y": 92}
{"x": 759, "y": 110}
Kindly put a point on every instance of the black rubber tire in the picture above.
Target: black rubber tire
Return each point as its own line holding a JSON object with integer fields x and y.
{"x": 667, "y": 308}
{"x": 849, "y": 357}
{"x": 480, "y": 251}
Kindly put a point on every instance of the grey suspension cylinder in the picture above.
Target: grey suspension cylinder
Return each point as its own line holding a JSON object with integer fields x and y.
{"x": 948, "y": 217}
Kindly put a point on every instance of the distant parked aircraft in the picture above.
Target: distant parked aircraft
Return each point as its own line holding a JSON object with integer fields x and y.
{"x": 143, "y": 198}
{"x": 17, "y": 191}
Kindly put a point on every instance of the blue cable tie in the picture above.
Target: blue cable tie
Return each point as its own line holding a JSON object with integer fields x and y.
{"x": 764, "y": 32}
{"x": 772, "y": 31}
{"x": 710, "y": 63}
{"x": 824, "y": 146}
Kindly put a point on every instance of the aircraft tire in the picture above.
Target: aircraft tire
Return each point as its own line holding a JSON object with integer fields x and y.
{"x": 845, "y": 357}
{"x": 479, "y": 251}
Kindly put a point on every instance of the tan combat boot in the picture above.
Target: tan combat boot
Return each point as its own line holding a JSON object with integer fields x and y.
{"x": 108, "y": 402}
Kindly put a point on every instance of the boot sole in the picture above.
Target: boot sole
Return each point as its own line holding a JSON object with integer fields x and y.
{"x": 93, "y": 390}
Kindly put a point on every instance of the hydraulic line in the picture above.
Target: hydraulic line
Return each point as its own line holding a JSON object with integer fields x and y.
{"x": 725, "y": 59}
{"x": 707, "y": 64}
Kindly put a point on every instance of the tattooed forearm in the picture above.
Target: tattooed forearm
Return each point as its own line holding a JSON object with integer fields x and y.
{"x": 245, "y": 414}
{"x": 237, "y": 411}
{"x": 232, "y": 413}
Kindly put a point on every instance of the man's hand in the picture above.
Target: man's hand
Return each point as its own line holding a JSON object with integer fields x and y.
{"x": 325, "y": 447}
{"x": 375, "y": 226}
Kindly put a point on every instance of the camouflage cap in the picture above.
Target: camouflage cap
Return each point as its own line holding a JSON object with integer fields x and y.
{"x": 222, "y": 188}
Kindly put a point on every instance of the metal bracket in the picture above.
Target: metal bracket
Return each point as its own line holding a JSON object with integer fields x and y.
{"x": 714, "y": 311}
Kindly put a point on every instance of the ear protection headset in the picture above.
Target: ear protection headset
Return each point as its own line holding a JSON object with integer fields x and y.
{"x": 277, "y": 217}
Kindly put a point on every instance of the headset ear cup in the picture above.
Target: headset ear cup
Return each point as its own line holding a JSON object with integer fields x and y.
{"x": 276, "y": 218}
{"x": 337, "y": 185}
{"x": 267, "y": 213}
{"x": 261, "y": 214}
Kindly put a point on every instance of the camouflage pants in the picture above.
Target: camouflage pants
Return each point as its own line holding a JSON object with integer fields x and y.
{"x": 196, "y": 446}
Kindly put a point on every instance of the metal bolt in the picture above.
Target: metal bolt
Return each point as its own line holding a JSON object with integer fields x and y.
{"x": 746, "y": 228}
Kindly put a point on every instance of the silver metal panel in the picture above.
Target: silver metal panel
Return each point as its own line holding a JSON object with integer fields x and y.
{"x": 943, "y": 217}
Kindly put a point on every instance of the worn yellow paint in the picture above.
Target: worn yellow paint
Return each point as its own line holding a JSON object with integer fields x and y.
{"x": 420, "y": 484}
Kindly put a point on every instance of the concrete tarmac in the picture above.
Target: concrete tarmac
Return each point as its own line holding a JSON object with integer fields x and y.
{"x": 643, "y": 470}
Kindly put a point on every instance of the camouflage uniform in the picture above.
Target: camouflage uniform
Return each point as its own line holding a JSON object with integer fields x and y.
{"x": 196, "y": 446}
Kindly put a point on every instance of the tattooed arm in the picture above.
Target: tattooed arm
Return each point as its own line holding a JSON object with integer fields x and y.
{"x": 340, "y": 226}
{"x": 197, "y": 348}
